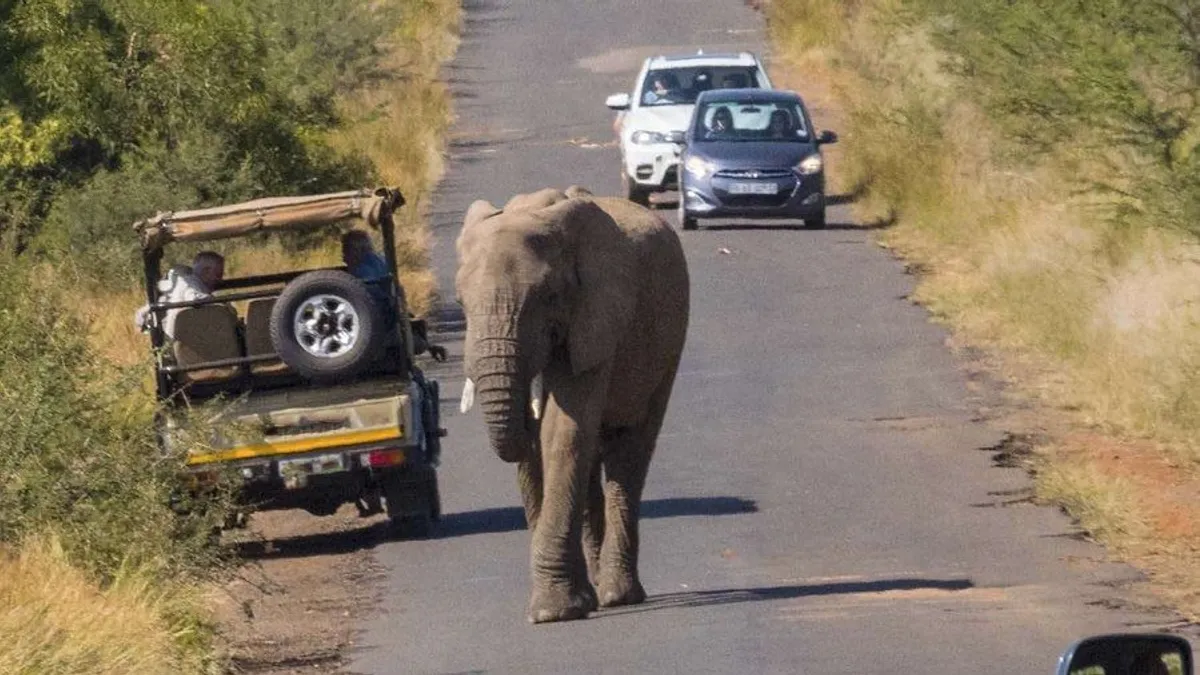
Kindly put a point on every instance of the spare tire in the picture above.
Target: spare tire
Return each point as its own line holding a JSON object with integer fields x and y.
{"x": 326, "y": 326}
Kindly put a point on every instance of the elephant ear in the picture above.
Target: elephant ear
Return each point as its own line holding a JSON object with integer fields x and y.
{"x": 478, "y": 212}
{"x": 604, "y": 295}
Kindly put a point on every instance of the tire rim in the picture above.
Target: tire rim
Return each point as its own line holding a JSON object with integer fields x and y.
{"x": 326, "y": 326}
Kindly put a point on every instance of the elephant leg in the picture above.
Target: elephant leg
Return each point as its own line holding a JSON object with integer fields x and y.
{"x": 626, "y": 455}
{"x": 593, "y": 523}
{"x": 561, "y": 590}
{"x": 529, "y": 480}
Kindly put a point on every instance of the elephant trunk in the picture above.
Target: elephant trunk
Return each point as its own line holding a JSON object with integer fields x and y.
{"x": 503, "y": 394}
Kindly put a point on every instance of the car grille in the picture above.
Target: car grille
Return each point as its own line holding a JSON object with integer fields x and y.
{"x": 753, "y": 173}
{"x": 738, "y": 201}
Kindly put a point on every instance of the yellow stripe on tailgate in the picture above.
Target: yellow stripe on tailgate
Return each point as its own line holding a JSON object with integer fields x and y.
{"x": 299, "y": 445}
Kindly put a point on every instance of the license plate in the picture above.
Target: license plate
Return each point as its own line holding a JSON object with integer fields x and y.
{"x": 295, "y": 472}
{"x": 753, "y": 188}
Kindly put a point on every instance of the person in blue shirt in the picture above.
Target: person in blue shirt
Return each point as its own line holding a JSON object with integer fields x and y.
{"x": 366, "y": 264}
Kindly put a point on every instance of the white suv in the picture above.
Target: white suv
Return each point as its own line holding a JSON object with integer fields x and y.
{"x": 664, "y": 95}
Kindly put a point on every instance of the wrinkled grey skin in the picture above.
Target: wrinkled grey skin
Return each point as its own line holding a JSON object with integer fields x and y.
{"x": 590, "y": 294}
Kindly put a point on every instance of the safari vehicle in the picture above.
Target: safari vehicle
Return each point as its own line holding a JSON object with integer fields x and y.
{"x": 305, "y": 395}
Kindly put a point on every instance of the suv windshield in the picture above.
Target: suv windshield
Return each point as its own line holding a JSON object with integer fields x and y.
{"x": 749, "y": 121}
{"x": 681, "y": 86}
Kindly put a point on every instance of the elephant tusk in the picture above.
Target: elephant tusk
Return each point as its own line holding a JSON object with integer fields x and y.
{"x": 468, "y": 396}
{"x": 535, "y": 397}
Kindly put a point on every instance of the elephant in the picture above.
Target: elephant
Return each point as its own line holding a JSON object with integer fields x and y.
{"x": 576, "y": 315}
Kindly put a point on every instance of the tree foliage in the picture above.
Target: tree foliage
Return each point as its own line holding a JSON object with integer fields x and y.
{"x": 111, "y": 109}
{"x": 1120, "y": 77}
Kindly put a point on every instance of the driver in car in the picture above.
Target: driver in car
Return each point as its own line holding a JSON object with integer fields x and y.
{"x": 660, "y": 89}
{"x": 364, "y": 263}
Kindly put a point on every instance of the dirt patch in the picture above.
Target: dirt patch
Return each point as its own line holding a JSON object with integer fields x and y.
{"x": 306, "y": 586}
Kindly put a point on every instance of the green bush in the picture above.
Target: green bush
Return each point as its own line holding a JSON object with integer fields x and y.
{"x": 77, "y": 455}
{"x": 112, "y": 109}
{"x": 1116, "y": 79}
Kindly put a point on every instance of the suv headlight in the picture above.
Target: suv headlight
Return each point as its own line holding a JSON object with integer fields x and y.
{"x": 810, "y": 165}
{"x": 698, "y": 167}
{"x": 648, "y": 137}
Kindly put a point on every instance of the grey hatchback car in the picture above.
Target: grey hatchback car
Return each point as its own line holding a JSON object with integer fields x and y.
{"x": 752, "y": 153}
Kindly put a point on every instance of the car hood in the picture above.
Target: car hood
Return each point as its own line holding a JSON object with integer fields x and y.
{"x": 752, "y": 154}
{"x": 659, "y": 118}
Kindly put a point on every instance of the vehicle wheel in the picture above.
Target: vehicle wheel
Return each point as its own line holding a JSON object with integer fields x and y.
{"x": 325, "y": 325}
{"x": 634, "y": 192}
{"x": 817, "y": 222}
{"x": 413, "y": 503}
{"x": 686, "y": 221}
{"x": 435, "y": 501}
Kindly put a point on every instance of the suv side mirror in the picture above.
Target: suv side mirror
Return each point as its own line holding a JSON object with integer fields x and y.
{"x": 676, "y": 137}
{"x": 827, "y": 137}
{"x": 1128, "y": 654}
{"x": 618, "y": 102}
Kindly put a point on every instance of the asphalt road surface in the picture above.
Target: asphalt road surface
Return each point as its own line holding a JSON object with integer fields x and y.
{"x": 820, "y": 502}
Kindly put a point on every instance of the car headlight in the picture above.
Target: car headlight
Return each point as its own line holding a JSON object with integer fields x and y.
{"x": 698, "y": 167}
{"x": 810, "y": 165}
{"x": 648, "y": 137}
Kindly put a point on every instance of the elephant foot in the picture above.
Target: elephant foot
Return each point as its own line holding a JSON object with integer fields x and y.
{"x": 561, "y": 604}
{"x": 623, "y": 591}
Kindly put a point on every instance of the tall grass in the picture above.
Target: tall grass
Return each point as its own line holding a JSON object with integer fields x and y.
{"x": 1052, "y": 224}
{"x": 55, "y": 619}
{"x": 1022, "y": 254}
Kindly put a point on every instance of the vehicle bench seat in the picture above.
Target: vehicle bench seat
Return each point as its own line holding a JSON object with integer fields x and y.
{"x": 204, "y": 334}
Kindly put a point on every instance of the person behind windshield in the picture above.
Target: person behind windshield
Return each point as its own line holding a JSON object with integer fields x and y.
{"x": 780, "y": 124}
{"x": 185, "y": 284}
{"x": 722, "y": 121}
{"x": 661, "y": 86}
{"x": 364, "y": 263}
{"x": 734, "y": 81}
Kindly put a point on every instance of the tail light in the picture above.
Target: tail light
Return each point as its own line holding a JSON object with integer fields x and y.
{"x": 378, "y": 459}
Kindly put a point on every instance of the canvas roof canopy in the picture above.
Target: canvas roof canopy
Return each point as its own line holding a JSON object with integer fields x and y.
{"x": 270, "y": 214}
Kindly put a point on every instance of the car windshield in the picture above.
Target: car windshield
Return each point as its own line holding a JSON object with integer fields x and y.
{"x": 751, "y": 121}
{"x": 681, "y": 86}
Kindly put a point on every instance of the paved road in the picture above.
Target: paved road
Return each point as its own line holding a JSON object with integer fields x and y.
{"x": 819, "y": 500}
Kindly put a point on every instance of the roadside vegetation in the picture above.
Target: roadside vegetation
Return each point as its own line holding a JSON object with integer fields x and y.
{"x": 111, "y": 110}
{"x": 1038, "y": 162}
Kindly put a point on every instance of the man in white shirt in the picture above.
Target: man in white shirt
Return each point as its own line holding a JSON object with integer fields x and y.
{"x": 184, "y": 284}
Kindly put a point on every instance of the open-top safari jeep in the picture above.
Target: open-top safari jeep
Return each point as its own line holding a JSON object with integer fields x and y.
{"x": 309, "y": 394}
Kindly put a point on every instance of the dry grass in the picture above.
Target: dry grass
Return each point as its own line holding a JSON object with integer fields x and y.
{"x": 55, "y": 620}
{"x": 401, "y": 123}
{"x": 1098, "y": 322}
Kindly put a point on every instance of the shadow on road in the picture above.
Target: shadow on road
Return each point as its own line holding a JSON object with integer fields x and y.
{"x": 484, "y": 521}
{"x": 783, "y": 227}
{"x": 732, "y": 596}
{"x": 303, "y": 546}
{"x": 512, "y": 518}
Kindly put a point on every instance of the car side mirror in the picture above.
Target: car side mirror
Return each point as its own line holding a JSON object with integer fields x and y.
{"x": 617, "y": 102}
{"x": 827, "y": 138}
{"x": 677, "y": 137}
{"x": 1128, "y": 654}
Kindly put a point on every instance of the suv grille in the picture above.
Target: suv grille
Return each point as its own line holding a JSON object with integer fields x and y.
{"x": 754, "y": 173}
